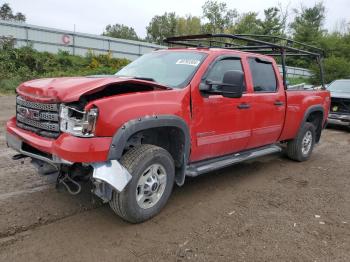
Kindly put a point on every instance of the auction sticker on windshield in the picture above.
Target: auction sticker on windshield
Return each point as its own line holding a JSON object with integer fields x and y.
{"x": 191, "y": 62}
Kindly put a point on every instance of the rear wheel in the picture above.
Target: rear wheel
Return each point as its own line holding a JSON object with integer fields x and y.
{"x": 301, "y": 147}
{"x": 152, "y": 169}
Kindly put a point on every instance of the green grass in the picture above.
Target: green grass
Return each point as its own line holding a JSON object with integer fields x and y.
{"x": 22, "y": 64}
{"x": 298, "y": 80}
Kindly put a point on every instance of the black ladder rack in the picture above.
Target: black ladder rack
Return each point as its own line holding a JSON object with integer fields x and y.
{"x": 261, "y": 44}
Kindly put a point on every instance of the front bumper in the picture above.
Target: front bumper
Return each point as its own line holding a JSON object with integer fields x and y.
{"x": 339, "y": 119}
{"x": 107, "y": 174}
{"x": 64, "y": 149}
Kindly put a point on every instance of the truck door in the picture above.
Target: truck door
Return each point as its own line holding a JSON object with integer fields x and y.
{"x": 268, "y": 103}
{"x": 221, "y": 125}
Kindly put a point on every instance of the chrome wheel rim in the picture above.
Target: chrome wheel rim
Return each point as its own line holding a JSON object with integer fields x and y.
{"x": 306, "y": 143}
{"x": 151, "y": 186}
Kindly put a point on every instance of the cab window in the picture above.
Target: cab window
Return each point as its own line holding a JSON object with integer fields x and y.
{"x": 263, "y": 74}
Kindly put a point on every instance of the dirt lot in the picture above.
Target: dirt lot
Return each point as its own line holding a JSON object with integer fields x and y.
{"x": 271, "y": 209}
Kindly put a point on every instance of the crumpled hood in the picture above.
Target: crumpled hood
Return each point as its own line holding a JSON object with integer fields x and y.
{"x": 69, "y": 89}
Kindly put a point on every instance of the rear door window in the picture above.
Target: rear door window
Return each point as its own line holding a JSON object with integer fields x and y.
{"x": 263, "y": 74}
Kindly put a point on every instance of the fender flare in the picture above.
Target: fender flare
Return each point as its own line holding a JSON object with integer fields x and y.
{"x": 308, "y": 112}
{"x": 133, "y": 126}
{"x": 311, "y": 109}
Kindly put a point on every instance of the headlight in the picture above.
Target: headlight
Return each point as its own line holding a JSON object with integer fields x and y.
{"x": 78, "y": 123}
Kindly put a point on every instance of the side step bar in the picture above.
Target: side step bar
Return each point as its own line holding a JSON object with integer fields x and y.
{"x": 201, "y": 167}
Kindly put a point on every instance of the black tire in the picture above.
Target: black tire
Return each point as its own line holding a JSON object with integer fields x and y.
{"x": 137, "y": 160}
{"x": 295, "y": 147}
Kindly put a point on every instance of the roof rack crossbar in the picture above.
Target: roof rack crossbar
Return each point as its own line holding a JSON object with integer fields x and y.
{"x": 277, "y": 46}
{"x": 284, "y": 39}
{"x": 254, "y": 41}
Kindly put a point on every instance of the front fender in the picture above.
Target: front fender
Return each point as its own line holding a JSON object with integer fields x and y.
{"x": 131, "y": 127}
{"x": 134, "y": 126}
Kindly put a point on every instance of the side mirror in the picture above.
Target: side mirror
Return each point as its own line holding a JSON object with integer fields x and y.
{"x": 232, "y": 84}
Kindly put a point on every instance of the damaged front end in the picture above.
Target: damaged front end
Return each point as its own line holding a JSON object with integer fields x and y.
{"x": 78, "y": 121}
{"x": 108, "y": 176}
{"x": 104, "y": 176}
{"x": 339, "y": 111}
{"x": 56, "y": 126}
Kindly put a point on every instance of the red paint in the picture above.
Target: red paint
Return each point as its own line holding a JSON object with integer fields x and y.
{"x": 216, "y": 125}
{"x": 69, "y": 89}
{"x": 66, "y": 39}
{"x": 73, "y": 149}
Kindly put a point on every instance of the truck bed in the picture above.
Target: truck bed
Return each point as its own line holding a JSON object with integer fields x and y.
{"x": 298, "y": 102}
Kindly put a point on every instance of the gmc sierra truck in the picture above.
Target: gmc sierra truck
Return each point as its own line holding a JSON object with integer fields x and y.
{"x": 169, "y": 114}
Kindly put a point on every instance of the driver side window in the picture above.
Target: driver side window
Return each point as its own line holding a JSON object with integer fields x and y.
{"x": 216, "y": 73}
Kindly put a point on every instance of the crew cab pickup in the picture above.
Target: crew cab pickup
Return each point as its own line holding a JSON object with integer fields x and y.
{"x": 167, "y": 115}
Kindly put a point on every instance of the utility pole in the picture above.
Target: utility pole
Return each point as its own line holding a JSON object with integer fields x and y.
{"x": 74, "y": 40}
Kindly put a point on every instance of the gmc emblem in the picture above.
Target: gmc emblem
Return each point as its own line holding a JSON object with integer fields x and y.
{"x": 28, "y": 113}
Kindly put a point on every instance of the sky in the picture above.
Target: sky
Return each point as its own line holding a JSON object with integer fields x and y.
{"x": 91, "y": 16}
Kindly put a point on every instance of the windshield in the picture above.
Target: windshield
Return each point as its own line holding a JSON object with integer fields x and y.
{"x": 170, "y": 68}
{"x": 342, "y": 86}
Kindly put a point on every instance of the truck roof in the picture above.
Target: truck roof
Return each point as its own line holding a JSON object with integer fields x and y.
{"x": 210, "y": 50}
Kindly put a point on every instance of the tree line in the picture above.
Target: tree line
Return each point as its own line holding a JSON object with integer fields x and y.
{"x": 307, "y": 26}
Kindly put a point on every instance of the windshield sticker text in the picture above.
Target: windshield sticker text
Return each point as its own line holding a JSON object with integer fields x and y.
{"x": 191, "y": 62}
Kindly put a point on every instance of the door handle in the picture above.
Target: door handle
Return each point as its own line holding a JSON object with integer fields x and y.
{"x": 278, "y": 103}
{"x": 243, "y": 106}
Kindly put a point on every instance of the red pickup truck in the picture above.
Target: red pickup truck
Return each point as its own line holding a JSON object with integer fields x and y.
{"x": 169, "y": 114}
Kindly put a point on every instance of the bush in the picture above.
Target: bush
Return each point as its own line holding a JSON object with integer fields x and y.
{"x": 21, "y": 64}
{"x": 334, "y": 68}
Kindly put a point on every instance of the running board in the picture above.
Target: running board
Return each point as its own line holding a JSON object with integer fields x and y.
{"x": 206, "y": 166}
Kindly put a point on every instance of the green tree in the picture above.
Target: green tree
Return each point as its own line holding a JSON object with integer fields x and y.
{"x": 6, "y": 13}
{"x": 334, "y": 68}
{"x": 248, "y": 23}
{"x": 307, "y": 26}
{"x": 219, "y": 17}
{"x": 274, "y": 22}
{"x": 336, "y": 44}
{"x": 120, "y": 31}
{"x": 160, "y": 27}
{"x": 188, "y": 25}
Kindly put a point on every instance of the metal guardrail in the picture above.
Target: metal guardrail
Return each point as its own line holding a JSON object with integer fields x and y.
{"x": 296, "y": 72}
{"x": 52, "y": 40}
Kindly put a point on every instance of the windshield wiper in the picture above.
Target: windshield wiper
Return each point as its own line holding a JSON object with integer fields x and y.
{"x": 137, "y": 77}
{"x": 145, "y": 78}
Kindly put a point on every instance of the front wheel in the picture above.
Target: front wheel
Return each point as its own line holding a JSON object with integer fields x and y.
{"x": 153, "y": 171}
{"x": 301, "y": 147}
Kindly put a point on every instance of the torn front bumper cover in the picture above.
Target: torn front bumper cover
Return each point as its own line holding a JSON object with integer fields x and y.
{"x": 109, "y": 176}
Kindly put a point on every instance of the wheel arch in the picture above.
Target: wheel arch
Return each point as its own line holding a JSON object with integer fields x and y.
{"x": 315, "y": 115}
{"x": 173, "y": 127}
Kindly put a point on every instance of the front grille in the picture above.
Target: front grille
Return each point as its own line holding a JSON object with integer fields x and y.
{"x": 340, "y": 105}
{"x": 40, "y": 118}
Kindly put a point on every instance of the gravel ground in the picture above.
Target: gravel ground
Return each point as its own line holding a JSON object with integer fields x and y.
{"x": 270, "y": 209}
